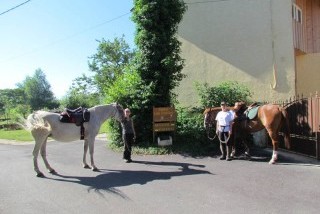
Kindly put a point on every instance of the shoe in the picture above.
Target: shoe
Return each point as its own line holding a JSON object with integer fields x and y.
{"x": 128, "y": 161}
{"x": 222, "y": 158}
{"x": 229, "y": 159}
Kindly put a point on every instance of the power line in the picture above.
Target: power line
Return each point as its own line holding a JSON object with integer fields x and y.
{"x": 66, "y": 38}
{"x": 205, "y": 2}
{"x": 15, "y": 7}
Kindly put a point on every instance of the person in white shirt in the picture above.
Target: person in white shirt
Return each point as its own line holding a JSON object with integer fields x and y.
{"x": 224, "y": 120}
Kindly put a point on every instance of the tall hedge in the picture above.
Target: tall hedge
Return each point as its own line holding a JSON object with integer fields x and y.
{"x": 158, "y": 60}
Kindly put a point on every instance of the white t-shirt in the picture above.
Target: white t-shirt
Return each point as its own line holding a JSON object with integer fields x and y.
{"x": 224, "y": 119}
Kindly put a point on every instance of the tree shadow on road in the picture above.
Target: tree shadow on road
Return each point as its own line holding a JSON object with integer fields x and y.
{"x": 110, "y": 180}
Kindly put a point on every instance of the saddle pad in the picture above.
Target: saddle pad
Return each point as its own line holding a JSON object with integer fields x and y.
{"x": 252, "y": 113}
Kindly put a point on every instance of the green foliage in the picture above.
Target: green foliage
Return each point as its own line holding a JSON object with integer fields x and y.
{"x": 129, "y": 92}
{"x": 191, "y": 136}
{"x": 109, "y": 62}
{"x": 38, "y": 92}
{"x": 229, "y": 92}
{"x": 158, "y": 61}
{"x": 13, "y": 102}
{"x": 73, "y": 99}
{"x": 80, "y": 94}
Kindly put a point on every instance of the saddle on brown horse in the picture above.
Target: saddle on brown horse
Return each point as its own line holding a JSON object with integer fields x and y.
{"x": 252, "y": 112}
{"x": 77, "y": 116}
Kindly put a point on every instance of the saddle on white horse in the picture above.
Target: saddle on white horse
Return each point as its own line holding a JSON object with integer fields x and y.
{"x": 77, "y": 116}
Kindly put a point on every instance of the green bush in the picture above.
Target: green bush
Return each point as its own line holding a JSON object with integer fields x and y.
{"x": 130, "y": 93}
{"x": 230, "y": 92}
{"x": 191, "y": 136}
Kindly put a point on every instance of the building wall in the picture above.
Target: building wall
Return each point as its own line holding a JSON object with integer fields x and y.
{"x": 308, "y": 74}
{"x": 308, "y": 61}
{"x": 242, "y": 41}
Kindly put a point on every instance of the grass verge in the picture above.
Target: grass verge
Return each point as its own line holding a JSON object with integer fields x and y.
{"x": 18, "y": 135}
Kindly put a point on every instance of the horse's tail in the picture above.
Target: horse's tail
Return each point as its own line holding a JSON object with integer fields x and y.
{"x": 286, "y": 128}
{"x": 36, "y": 122}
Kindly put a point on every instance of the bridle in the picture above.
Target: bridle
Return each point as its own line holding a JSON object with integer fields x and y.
{"x": 209, "y": 123}
{"x": 117, "y": 112}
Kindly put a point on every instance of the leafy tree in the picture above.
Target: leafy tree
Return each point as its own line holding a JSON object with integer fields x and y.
{"x": 13, "y": 101}
{"x": 128, "y": 91}
{"x": 109, "y": 63}
{"x": 38, "y": 91}
{"x": 158, "y": 59}
{"x": 82, "y": 93}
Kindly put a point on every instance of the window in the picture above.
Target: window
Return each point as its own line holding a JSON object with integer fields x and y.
{"x": 296, "y": 13}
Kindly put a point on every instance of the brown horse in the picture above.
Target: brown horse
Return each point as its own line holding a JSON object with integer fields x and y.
{"x": 271, "y": 117}
{"x": 237, "y": 134}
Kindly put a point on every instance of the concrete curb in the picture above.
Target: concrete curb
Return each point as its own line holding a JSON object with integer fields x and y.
{"x": 299, "y": 158}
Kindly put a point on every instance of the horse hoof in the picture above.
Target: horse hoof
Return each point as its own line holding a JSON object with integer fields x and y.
{"x": 86, "y": 166}
{"x": 52, "y": 171}
{"x": 272, "y": 162}
{"x": 40, "y": 175}
{"x": 95, "y": 169}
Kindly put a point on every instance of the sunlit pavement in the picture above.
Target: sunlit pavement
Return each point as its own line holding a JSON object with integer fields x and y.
{"x": 155, "y": 184}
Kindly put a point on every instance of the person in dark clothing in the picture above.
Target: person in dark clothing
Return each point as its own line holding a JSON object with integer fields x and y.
{"x": 128, "y": 135}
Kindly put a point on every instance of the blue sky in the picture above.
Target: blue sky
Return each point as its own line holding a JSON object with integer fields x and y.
{"x": 57, "y": 36}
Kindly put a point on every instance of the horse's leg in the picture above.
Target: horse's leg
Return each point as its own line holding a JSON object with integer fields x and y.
{"x": 91, "y": 151}
{"x": 275, "y": 144}
{"x": 43, "y": 152}
{"x": 35, "y": 154}
{"x": 85, "y": 150}
{"x": 233, "y": 143}
{"x": 244, "y": 141}
{"x": 39, "y": 138}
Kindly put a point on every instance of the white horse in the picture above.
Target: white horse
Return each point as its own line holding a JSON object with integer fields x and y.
{"x": 44, "y": 124}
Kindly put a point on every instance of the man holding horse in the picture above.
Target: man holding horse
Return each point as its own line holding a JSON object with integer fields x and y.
{"x": 224, "y": 128}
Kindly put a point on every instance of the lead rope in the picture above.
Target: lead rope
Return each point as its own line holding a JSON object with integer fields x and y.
{"x": 225, "y": 141}
{"x": 208, "y": 132}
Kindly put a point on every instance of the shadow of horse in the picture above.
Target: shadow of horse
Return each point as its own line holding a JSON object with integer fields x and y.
{"x": 110, "y": 180}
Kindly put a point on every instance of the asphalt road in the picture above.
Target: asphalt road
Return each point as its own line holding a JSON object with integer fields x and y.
{"x": 155, "y": 184}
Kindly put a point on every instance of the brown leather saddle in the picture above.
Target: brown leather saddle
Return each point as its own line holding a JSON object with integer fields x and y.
{"x": 77, "y": 116}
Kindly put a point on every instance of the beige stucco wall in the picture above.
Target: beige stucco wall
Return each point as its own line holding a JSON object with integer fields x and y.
{"x": 240, "y": 41}
{"x": 308, "y": 74}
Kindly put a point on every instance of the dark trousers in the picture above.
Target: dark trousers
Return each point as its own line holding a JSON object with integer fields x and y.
{"x": 225, "y": 147}
{"x": 128, "y": 141}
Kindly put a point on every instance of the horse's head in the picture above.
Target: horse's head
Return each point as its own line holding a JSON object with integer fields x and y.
{"x": 207, "y": 118}
{"x": 119, "y": 115}
{"x": 210, "y": 120}
{"x": 240, "y": 107}
{"x": 210, "y": 116}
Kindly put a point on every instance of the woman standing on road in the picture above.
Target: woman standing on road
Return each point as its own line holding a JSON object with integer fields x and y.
{"x": 128, "y": 135}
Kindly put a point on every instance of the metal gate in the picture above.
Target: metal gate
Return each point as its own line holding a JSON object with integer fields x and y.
{"x": 304, "y": 125}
